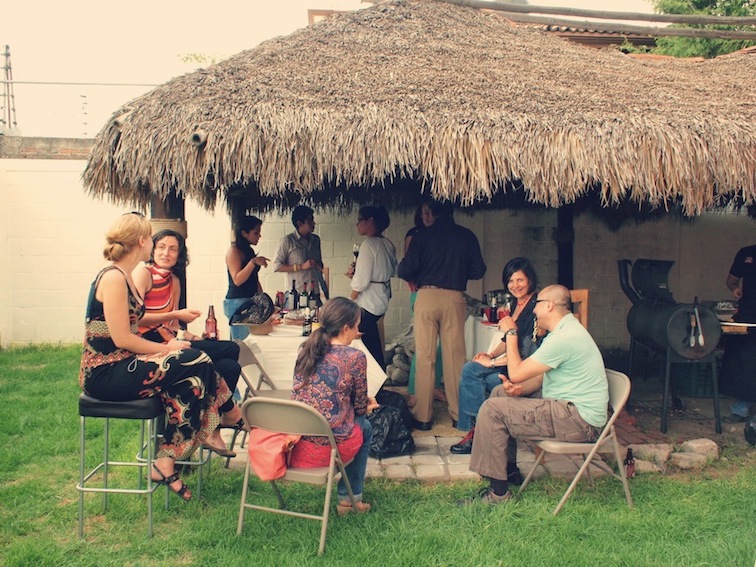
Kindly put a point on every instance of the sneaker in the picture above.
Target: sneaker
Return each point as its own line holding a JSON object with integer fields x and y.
{"x": 464, "y": 447}
{"x": 487, "y": 496}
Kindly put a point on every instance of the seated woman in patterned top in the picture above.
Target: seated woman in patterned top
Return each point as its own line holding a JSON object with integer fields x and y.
{"x": 117, "y": 364}
{"x": 331, "y": 376}
{"x": 159, "y": 282}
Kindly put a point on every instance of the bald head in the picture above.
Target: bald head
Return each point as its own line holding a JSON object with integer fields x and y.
{"x": 553, "y": 304}
{"x": 559, "y": 295}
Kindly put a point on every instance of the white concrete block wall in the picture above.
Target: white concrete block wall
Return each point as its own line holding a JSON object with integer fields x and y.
{"x": 52, "y": 237}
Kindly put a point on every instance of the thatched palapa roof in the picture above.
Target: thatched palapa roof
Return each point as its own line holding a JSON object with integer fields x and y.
{"x": 454, "y": 99}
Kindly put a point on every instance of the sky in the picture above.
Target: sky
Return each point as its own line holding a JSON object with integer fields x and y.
{"x": 140, "y": 44}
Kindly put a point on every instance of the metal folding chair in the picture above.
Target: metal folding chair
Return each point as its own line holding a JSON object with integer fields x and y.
{"x": 295, "y": 418}
{"x": 619, "y": 391}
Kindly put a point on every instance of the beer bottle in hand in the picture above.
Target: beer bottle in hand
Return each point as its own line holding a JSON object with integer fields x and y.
{"x": 211, "y": 325}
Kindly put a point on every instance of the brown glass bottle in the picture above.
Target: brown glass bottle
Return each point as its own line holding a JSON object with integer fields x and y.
{"x": 211, "y": 325}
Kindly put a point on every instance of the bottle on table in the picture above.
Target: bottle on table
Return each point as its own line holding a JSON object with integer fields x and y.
{"x": 307, "y": 325}
{"x": 304, "y": 297}
{"x": 494, "y": 317}
{"x": 211, "y": 325}
{"x": 629, "y": 464}
{"x": 292, "y": 299}
{"x": 314, "y": 298}
{"x": 315, "y": 320}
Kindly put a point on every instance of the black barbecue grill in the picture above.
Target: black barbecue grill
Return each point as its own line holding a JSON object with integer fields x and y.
{"x": 685, "y": 333}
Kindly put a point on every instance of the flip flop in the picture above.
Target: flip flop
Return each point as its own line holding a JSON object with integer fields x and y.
{"x": 182, "y": 492}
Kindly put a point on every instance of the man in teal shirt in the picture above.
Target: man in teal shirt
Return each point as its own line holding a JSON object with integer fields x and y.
{"x": 570, "y": 369}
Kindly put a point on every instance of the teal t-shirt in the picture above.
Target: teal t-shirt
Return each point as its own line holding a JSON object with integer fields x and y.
{"x": 577, "y": 372}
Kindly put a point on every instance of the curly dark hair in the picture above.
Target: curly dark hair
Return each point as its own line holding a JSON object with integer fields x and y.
{"x": 183, "y": 255}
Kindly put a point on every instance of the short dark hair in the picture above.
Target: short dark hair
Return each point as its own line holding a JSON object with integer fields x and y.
{"x": 378, "y": 213}
{"x": 183, "y": 254}
{"x": 520, "y": 264}
{"x": 245, "y": 224}
{"x": 441, "y": 208}
{"x": 300, "y": 214}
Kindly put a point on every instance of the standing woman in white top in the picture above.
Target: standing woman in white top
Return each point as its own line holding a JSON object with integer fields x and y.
{"x": 371, "y": 277}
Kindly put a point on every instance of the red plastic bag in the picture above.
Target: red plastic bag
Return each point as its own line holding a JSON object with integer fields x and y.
{"x": 269, "y": 452}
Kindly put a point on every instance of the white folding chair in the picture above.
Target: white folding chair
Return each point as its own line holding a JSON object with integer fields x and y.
{"x": 619, "y": 391}
{"x": 294, "y": 418}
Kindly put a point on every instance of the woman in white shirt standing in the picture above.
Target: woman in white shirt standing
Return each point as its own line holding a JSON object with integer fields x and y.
{"x": 371, "y": 276}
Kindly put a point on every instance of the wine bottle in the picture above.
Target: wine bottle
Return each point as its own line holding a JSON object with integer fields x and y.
{"x": 304, "y": 297}
{"x": 314, "y": 298}
{"x": 293, "y": 296}
{"x": 629, "y": 464}
{"x": 315, "y": 320}
{"x": 494, "y": 318}
{"x": 211, "y": 325}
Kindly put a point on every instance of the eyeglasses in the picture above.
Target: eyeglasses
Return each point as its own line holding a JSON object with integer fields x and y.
{"x": 133, "y": 213}
{"x": 554, "y": 302}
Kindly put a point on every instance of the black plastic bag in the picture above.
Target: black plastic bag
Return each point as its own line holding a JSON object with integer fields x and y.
{"x": 396, "y": 400}
{"x": 391, "y": 437}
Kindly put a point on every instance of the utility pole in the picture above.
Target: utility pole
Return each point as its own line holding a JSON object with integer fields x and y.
{"x": 8, "y": 116}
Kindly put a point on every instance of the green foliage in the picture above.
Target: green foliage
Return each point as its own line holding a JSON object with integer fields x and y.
{"x": 701, "y": 47}
{"x": 411, "y": 523}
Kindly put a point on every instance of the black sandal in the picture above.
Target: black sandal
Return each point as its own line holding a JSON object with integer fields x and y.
{"x": 168, "y": 480}
{"x": 238, "y": 426}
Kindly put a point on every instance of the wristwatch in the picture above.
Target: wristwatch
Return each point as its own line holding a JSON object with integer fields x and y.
{"x": 510, "y": 332}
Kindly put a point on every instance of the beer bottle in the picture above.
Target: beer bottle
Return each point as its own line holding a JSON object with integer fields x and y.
{"x": 307, "y": 325}
{"x": 211, "y": 325}
{"x": 629, "y": 464}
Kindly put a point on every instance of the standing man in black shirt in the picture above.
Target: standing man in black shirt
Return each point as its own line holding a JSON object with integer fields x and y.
{"x": 440, "y": 260}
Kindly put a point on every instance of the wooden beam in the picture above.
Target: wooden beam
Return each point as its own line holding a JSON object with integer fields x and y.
{"x": 693, "y": 19}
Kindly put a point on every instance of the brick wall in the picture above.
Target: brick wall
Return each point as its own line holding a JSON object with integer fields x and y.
{"x": 52, "y": 237}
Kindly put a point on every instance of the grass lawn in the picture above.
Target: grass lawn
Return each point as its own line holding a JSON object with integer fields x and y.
{"x": 701, "y": 518}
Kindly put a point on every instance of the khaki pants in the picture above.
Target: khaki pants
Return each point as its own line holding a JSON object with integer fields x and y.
{"x": 438, "y": 312}
{"x": 502, "y": 418}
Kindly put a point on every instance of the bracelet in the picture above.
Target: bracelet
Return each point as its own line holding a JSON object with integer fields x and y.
{"x": 511, "y": 332}
{"x": 296, "y": 267}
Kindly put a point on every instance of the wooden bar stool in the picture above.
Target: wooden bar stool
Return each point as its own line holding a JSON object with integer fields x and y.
{"x": 147, "y": 410}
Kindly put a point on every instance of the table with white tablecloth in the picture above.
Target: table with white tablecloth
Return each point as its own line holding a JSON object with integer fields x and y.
{"x": 277, "y": 354}
{"x": 479, "y": 336}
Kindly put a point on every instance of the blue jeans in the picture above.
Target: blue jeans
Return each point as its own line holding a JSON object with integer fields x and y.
{"x": 475, "y": 385}
{"x": 356, "y": 469}
{"x": 229, "y": 308}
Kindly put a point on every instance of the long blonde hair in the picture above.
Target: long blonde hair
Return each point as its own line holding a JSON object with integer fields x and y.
{"x": 124, "y": 234}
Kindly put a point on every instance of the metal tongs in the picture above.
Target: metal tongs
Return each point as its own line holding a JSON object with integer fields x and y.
{"x": 700, "y": 327}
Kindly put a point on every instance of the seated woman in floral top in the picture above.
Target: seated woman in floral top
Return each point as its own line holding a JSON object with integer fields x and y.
{"x": 331, "y": 376}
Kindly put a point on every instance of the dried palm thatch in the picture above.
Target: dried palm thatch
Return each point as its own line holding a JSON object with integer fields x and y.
{"x": 453, "y": 100}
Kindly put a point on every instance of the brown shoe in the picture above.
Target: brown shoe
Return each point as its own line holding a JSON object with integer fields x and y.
{"x": 487, "y": 496}
{"x": 344, "y": 508}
